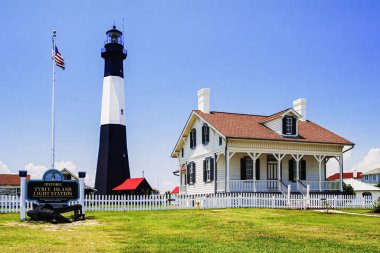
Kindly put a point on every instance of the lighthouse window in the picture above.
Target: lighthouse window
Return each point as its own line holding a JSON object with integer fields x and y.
{"x": 122, "y": 112}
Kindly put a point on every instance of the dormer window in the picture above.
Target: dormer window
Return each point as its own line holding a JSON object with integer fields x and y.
{"x": 205, "y": 134}
{"x": 193, "y": 138}
{"x": 289, "y": 125}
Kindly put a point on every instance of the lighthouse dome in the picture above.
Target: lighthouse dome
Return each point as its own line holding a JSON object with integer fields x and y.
{"x": 114, "y": 36}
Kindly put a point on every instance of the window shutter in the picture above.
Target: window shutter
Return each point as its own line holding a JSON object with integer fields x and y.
{"x": 242, "y": 169}
{"x": 212, "y": 169}
{"x": 294, "y": 125}
{"x": 303, "y": 169}
{"x": 188, "y": 173}
{"x": 193, "y": 172}
{"x": 207, "y": 134}
{"x": 257, "y": 169}
{"x": 191, "y": 139}
{"x": 284, "y": 125}
{"x": 204, "y": 170}
{"x": 203, "y": 134}
{"x": 194, "y": 138}
{"x": 291, "y": 170}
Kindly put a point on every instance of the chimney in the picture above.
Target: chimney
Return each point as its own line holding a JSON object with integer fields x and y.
{"x": 355, "y": 174}
{"x": 299, "y": 106}
{"x": 204, "y": 100}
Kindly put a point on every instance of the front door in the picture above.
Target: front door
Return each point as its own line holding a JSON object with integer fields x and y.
{"x": 272, "y": 173}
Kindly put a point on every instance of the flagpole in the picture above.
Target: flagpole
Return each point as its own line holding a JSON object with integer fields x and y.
{"x": 53, "y": 108}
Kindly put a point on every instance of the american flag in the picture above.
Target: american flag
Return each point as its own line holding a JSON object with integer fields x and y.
{"x": 59, "y": 61}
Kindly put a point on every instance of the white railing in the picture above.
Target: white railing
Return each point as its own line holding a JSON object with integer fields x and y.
{"x": 219, "y": 200}
{"x": 325, "y": 185}
{"x": 283, "y": 188}
{"x": 267, "y": 185}
{"x": 241, "y": 186}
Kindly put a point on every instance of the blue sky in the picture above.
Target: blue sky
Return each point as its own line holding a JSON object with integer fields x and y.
{"x": 256, "y": 56}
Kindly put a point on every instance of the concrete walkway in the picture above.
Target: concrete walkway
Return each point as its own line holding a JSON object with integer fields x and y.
{"x": 342, "y": 212}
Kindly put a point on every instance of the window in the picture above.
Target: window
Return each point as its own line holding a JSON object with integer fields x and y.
{"x": 220, "y": 140}
{"x": 182, "y": 152}
{"x": 193, "y": 138}
{"x": 292, "y": 171}
{"x": 205, "y": 134}
{"x": 208, "y": 169}
{"x": 289, "y": 125}
{"x": 190, "y": 173}
{"x": 249, "y": 169}
{"x": 122, "y": 112}
{"x": 246, "y": 169}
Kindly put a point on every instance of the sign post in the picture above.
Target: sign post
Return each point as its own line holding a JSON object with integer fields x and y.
{"x": 81, "y": 175}
{"x": 22, "y": 174}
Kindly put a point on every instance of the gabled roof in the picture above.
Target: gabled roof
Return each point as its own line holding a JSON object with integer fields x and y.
{"x": 11, "y": 179}
{"x": 280, "y": 114}
{"x": 175, "y": 190}
{"x": 245, "y": 126}
{"x": 129, "y": 184}
{"x": 374, "y": 171}
{"x": 346, "y": 175}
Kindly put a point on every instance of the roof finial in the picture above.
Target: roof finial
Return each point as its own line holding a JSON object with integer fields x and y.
{"x": 114, "y": 26}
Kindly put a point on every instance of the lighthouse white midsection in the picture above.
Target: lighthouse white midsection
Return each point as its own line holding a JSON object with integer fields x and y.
{"x": 113, "y": 104}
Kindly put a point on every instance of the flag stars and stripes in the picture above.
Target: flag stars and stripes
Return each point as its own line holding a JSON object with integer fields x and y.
{"x": 57, "y": 57}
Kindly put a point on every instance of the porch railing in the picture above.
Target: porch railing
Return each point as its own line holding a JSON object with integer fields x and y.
{"x": 283, "y": 188}
{"x": 249, "y": 186}
{"x": 325, "y": 185}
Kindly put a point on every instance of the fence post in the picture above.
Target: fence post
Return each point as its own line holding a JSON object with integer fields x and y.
{"x": 307, "y": 196}
{"x": 81, "y": 175}
{"x": 289, "y": 190}
{"x": 22, "y": 174}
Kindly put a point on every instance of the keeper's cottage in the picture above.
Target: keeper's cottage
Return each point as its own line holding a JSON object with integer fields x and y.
{"x": 232, "y": 152}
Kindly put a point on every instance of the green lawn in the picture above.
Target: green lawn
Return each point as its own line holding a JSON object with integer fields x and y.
{"x": 223, "y": 230}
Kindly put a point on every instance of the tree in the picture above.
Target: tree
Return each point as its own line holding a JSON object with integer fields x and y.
{"x": 347, "y": 189}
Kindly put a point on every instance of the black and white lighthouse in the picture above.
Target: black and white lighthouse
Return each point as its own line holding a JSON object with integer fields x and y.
{"x": 113, "y": 165}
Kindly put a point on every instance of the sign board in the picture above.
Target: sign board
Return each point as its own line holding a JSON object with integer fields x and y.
{"x": 52, "y": 189}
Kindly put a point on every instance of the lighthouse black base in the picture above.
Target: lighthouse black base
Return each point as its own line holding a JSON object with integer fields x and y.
{"x": 113, "y": 164}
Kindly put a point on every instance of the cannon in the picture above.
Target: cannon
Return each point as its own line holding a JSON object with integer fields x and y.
{"x": 47, "y": 212}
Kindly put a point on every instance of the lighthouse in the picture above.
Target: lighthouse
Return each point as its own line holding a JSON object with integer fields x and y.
{"x": 113, "y": 165}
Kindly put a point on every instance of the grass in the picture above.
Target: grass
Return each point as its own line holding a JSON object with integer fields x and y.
{"x": 223, "y": 230}
{"x": 360, "y": 211}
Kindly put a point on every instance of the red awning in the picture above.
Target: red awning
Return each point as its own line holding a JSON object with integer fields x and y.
{"x": 129, "y": 184}
{"x": 175, "y": 190}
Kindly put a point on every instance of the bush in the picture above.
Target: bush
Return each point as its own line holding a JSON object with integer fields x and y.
{"x": 378, "y": 185}
{"x": 376, "y": 208}
{"x": 347, "y": 189}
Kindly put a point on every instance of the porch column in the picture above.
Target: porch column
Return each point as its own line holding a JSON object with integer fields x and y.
{"x": 320, "y": 158}
{"x": 254, "y": 156}
{"x": 297, "y": 158}
{"x": 279, "y": 158}
{"x": 228, "y": 157}
{"x": 340, "y": 160}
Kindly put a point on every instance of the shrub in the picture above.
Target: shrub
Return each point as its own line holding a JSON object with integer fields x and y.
{"x": 376, "y": 208}
{"x": 347, "y": 189}
{"x": 378, "y": 185}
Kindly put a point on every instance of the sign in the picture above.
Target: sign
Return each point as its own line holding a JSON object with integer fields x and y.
{"x": 52, "y": 189}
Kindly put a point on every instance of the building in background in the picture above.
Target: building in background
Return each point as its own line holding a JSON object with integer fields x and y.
{"x": 68, "y": 175}
{"x": 372, "y": 177}
{"x": 363, "y": 189}
{"x": 134, "y": 186}
{"x": 10, "y": 184}
{"x": 346, "y": 175}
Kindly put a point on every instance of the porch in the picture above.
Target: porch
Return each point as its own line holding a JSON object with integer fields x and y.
{"x": 275, "y": 172}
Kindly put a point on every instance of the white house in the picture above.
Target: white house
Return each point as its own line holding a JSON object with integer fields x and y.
{"x": 372, "y": 176}
{"x": 232, "y": 152}
{"x": 363, "y": 189}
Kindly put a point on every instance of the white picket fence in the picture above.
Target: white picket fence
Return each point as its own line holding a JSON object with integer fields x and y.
{"x": 223, "y": 200}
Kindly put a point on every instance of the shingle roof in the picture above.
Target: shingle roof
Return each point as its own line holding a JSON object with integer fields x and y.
{"x": 245, "y": 126}
{"x": 11, "y": 179}
{"x": 374, "y": 171}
